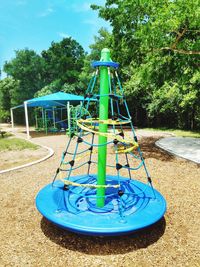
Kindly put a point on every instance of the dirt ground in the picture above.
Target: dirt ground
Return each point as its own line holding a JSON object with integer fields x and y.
{"x": 11, "y": 159}
{"x": 27, "y": 239}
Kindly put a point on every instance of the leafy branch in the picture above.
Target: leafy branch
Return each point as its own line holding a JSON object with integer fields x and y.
{"x": 174, "y": 48}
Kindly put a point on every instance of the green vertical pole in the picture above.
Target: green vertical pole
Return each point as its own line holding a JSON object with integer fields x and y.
{"x": 103, "y": 115}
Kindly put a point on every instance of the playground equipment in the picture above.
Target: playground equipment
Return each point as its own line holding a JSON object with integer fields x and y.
{"x": 52, "y": 119}
{"x": 75, "y": 113}
{"x": 86, "y": 198}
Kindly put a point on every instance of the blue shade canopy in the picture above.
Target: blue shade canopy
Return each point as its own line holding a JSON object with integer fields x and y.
{"x": 56, "y": 99}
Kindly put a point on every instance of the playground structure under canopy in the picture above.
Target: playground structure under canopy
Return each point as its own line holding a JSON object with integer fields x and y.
{"x": 59, "y": 99}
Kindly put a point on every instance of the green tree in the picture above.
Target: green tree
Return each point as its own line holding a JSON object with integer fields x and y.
{"x": 27, "y": 68}
{"x": 7, "y": 87}
{"x": 51, "y": 88}
{"x": 63, "y": 61}
{"x": 153, "y": 25}
{"x": 55, "y": 86}
{"x": 157, "y": 43}
{"x": 102, "y": 40}
{"x": 37, "y": 75}
{"x": 70, "y": 89}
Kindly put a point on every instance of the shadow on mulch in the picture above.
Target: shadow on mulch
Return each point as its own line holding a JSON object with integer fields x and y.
{"x": 93, "y": 245}
{"x": 147, "y": 145}
{"x": 150, "y": 150}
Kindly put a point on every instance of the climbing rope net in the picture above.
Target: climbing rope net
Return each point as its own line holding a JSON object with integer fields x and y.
{"x": 88, "y": 127}
{"x": 95, "y": 190}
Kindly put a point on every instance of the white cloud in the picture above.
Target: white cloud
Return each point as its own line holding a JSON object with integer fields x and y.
{"x": 63, "y": 35}
{"x": 46, "y": 12}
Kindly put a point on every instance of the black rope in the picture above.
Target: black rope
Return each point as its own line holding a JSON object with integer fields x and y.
{"x": 90, "y": 158}
{"x": 122, "y": 135}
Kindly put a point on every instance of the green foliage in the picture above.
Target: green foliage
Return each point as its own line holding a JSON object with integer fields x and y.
{"x": 8, "y": 86}
{"x": 104, "y": 39}
{"x": 157, "y": 44}
{"x": 55, "y": 86}
{"x": 49, "y": 89}
{"x": 146, "y": 25}
{"x": 69, "y": 88}
{"x": 63, "y": 61}
{"x": 31, "y": 75}
{"x": 27, "y": 69}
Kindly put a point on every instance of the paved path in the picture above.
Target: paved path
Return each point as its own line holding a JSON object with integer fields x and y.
{"x": 185, "y": 147}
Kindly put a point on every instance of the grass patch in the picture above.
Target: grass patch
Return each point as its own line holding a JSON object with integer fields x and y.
{"x": 6, "y": 134}
{"x": 16, "y": 144}
{"x": 176, "y": 132}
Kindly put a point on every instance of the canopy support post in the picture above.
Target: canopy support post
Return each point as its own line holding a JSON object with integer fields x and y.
{"x": 12, "y": 118}
{"x": 43, "y": 124}
{"x": 36, "y": 120}
{"x": 26, "y": 119}
{"x": 54, "y": 122}
{"x": 68, "y": 118}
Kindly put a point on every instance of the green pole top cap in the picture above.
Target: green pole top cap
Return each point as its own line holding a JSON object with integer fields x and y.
{"x": 105, "y": 55}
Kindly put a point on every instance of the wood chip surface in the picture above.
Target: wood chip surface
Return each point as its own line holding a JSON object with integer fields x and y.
{"x": 27, "y": 239}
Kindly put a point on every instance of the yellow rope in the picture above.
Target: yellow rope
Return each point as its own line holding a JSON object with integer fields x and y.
{"x": 110, "y": 135}
{"x": 119, "y": 150}
{"x": 90, "y": 128}
{"x": 67, "y": 182}
{"x": 108, "y": 121}
{"x": 126, "y": 150}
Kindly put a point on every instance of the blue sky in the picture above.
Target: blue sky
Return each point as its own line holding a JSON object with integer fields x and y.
{"x": 34, "y": 24}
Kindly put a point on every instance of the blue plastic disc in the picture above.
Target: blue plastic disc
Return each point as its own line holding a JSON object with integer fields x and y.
{"x": 104, "y": 63}
{"x": 75, "y": 209}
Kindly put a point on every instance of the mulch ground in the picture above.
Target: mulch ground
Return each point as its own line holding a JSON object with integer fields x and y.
{"x": 27, "y": 239}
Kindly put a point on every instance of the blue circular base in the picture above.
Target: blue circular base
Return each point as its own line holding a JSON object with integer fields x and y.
{"x": 75, "y": 209}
